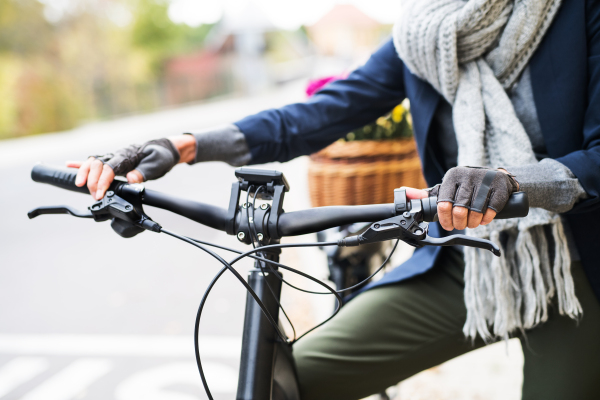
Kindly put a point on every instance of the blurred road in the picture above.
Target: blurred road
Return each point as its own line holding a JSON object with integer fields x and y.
{"x": 88, "y": 315}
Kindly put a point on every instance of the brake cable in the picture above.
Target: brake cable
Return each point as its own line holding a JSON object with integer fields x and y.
{"x": 236, "y": 274}
{"x": 229, "y": 266}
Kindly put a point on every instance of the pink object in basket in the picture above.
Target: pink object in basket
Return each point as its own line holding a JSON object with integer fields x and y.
{"x": 317, "y": 84}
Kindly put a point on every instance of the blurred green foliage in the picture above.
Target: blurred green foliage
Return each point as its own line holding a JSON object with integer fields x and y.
{"x": 152, "y": 29}
{"x": 156, "y": 34}
{"x": 84, "y": 65}
{"x": 395, "y": 125}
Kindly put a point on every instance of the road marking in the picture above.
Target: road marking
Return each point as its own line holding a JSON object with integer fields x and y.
{"x": 119, "y": 345}
{"x": 20, "y": 370}
{"x": 153, "y": 384}
{"x": 71, "y": 381}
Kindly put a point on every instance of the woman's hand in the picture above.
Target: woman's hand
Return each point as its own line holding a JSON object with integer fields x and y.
{"x": 472, "y": 196}
{"x": 137, "y": 163}
{"x": 460, "y": 217}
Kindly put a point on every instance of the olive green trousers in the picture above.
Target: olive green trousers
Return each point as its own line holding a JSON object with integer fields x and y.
{"x": 389, "y": 333}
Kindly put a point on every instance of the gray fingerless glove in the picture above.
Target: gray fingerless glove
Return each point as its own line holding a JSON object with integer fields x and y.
{"x": 153, "y": 159}
{"x": 476, "y": 188}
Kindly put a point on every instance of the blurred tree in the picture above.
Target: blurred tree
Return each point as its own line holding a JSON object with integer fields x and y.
{"x": 23, "y": 28}
{"x": 9, "y": 70}
{"x": 155, "y": 33}
{"x": 152, "y": 28}
{"x": 84, "y": 63}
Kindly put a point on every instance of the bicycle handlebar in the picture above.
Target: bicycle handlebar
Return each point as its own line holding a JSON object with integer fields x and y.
{"x": 289, "y": 224}
{"x": 206, "y": 214}
{"x": 321, "y": 218}
{"x": 63, "y": 178}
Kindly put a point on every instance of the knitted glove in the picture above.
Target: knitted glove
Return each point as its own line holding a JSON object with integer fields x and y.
{"x": 153, "y": 159}
{"x": 476, "y": 188}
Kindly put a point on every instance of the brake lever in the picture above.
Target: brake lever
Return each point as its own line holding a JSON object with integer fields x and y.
{"x": 409, "y": 226}
{"x": 59, "y": 210}
{"x": 462, "y": 240}
{"x": 414, "y": 234}
{"x": 125, "y": 211}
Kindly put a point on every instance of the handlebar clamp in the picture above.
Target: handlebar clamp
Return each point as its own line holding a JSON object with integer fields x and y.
{"x": 274, "y": 187}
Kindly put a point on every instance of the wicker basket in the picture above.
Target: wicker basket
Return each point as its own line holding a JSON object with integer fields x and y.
{"x": 363, "y": 172}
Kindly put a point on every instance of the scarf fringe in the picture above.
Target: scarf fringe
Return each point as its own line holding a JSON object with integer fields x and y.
{"x": 512, "y": 292}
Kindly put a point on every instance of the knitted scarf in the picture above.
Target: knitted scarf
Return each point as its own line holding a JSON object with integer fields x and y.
{"x": 472, "y": 51}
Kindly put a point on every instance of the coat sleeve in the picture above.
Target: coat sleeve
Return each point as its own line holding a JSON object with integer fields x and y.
{"x": 303, "y": 128}
{"x": 585, "y": 163}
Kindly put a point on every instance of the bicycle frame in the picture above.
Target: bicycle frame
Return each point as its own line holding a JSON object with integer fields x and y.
{"x": 267, "y": 369}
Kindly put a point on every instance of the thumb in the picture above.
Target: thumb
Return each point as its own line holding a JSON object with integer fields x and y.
{"x": 413, "y": 194}
{"x": 135, "y": 176}
{"x": 74, "y": 164}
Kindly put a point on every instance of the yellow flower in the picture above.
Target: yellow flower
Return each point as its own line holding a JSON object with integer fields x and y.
{"x": 398, "y": 113}
{"x": 381, "y": 121}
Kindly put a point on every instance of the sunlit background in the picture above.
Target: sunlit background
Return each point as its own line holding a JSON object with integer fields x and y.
{"x": 66, "y": 62}
{"x": 85, "y": 314}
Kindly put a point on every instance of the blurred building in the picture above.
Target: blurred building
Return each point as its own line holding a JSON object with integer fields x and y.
{"x": 241, "y": 37}
{"x": 193, "y": 77}
{"x": 346, "y": 32}
{"x": 244, "y": 53}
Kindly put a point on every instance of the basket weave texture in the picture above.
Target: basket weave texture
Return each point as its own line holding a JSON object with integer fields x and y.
{"x": 363, "y": 172}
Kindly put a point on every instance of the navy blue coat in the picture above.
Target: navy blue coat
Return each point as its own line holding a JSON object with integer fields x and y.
{"x": 565, "y": 73}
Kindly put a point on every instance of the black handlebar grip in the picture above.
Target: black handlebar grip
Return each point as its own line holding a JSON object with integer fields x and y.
{"x": 63, "y": 178}
{"x": 516, "y": 207}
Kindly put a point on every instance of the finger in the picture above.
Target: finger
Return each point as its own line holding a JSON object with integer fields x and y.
{"x": 488, "y": 216}
{"x": 74, "y": 164}
{"x": 445, "y": 215}
{"x": 412, "y": 193}
{"x": 459, "y": 217}
{"x": 474, "y": 219}
{"x": 83, "y": 172}
{"x": 106, "y": 178}
{"x": 135, "y": 176}
{"x": 93, "y": 176}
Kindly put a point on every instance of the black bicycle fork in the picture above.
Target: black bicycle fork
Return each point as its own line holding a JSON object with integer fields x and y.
{"x": 267, "y": 370}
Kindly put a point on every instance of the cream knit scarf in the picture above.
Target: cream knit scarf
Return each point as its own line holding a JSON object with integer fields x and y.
{"x": 472, "y": 52}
